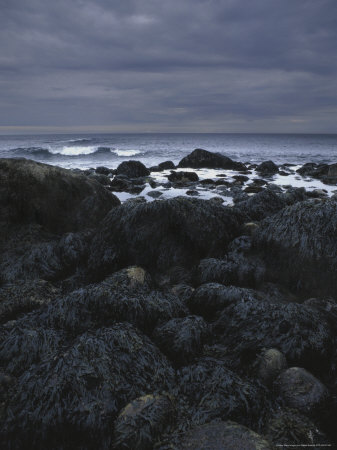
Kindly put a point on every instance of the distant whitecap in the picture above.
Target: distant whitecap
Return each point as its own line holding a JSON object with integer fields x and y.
{"x": 126, "y": 152}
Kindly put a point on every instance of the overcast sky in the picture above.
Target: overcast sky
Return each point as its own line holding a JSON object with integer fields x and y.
{"x": 168, "y": 66}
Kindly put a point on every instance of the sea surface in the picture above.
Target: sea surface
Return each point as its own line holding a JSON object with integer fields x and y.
{"x": 92, "y": 150}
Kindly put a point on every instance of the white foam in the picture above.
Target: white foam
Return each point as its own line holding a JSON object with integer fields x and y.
{"x": 126, "y": 152}
{"x": 75, "y": 151}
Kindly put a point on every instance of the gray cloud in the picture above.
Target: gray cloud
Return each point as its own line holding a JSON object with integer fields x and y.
{"x": 188, "y": 65}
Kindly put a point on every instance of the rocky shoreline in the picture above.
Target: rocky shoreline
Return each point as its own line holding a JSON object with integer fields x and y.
{"x": 205, "y": 320}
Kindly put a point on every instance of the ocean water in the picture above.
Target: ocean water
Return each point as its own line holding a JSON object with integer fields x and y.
{"x": 92, "y": 150}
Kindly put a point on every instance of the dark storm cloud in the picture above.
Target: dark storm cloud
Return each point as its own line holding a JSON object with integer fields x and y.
{"x": 182, "y": 65}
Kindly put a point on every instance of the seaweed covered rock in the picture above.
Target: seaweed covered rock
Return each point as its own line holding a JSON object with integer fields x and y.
{"x": 262, "y": 204}
{"x": 210, "y": 298}
{"x": 124, "y": 296}
{"x": 31, "y": 253}
{"x": 267, "y": 168}
{"x": 142, "y": 421}
{"x": 132, "y": 169}
{"x": 301, "y": 390}
{"x": 223, "y": 435}
{"x": 166, "y": 165}
{"x": 70, "y": 401}
{"x": 234, "y": 269}
{"x": 24, "y": 296}
{"x": 22, "y": 346}
{"x": 200, "y": 158}
{"x": 300, "y": 247}
{"x": 182, "y": 177}
{"x": 58, "y": 199}
{"x": 290, "y": 428}
{"x": 162, "y": 234}
{"x": 213, "y": 391}
{"x": 271, "y": 363}
{"x": 181, "y": 339}
{"x": 301, "y": 333}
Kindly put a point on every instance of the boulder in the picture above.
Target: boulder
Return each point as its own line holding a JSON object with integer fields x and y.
{"x": 223, "y": 435}
{"x": 21, "y": 297}
{"x": 203, "y": 159}
{"x": 213, "y": 391}
{"x": 74, "y": 396}
{"x": 271, "y": 363}
{"x": 103, "y": 170}
{"x": 132, "y": 169}
{"x": 55, "y": 198}
{"x": 290, "y": 428}
{"x": 126, "y": 295}
{"x": 210, "y": 298}
{"x": 299, "y": 389}
{"x": 162, "y": 234}
{"x": 181, "y": 339}
{"x": 100, "y": 178}
{"x": 261, "y": 205}
{"x": 141, "y": 422}
{"x": 301, "y": 333}
{"x": 233, "y": 269}
{"x": 183, "y": 177}
{"x": 166, "y": 165}
{"x": 299, "y": 246}
{"x": 267, "y": 168}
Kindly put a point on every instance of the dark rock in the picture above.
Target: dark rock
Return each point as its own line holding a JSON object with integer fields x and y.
{"x": 210, "y": 298}
{"x": 299, "y": 246}
{"x": 135, "y": 200}
{"x": 132, "y": 169}
{"x": 223, "y": 435}
{"x": 207, "y": 181}
{"x": 222, "y": 182}
{"x": 267, "y": 168}
{"x": 212, "y": 391}
{"x": 181, "y": 340}
{"x": 73, "y": 398}
{"x": 124, "y": 296}
{"x": 271, "y": 363}
{"x": 301, "y": 333}
{"x": 55, "y": 198}
{"x": 162, "y": 234}
{"x": 242, "y": 178}
{"x": 141, "y": 422}
{"x": 252, "y": 189}
{"x": 100, "y": 178}
{"x": 293, "y": 195}
{"x": 291, "y": 428}
{"x": 217, "y": 200}
{"x": 192, "y": 193}
{"x": 240, "y": 244}
{"x": 183, "y": 177}
{"x": 283, "y": 173}
{"x": 120, "y": 184}
{"x": 263, "y": 204}
{"x": 154, "y": 194}
{"x": 202, "y": 158}
{"x": 301, "y": 390}
{"x": 234, "y": 269}
{"x": 249, "y": 228}
{"x": 166, "y": 165}
{"x": 26, "y": 345}
{"x": 153, "y": 184}
{"x": 155, "y": 169}
{"x": 24, "y": 296}
{"x": 30, "y": 253}
{"x": 183, "y": 291}
{"x": 103, "y": 170}
{"x": 259, "y": 182}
